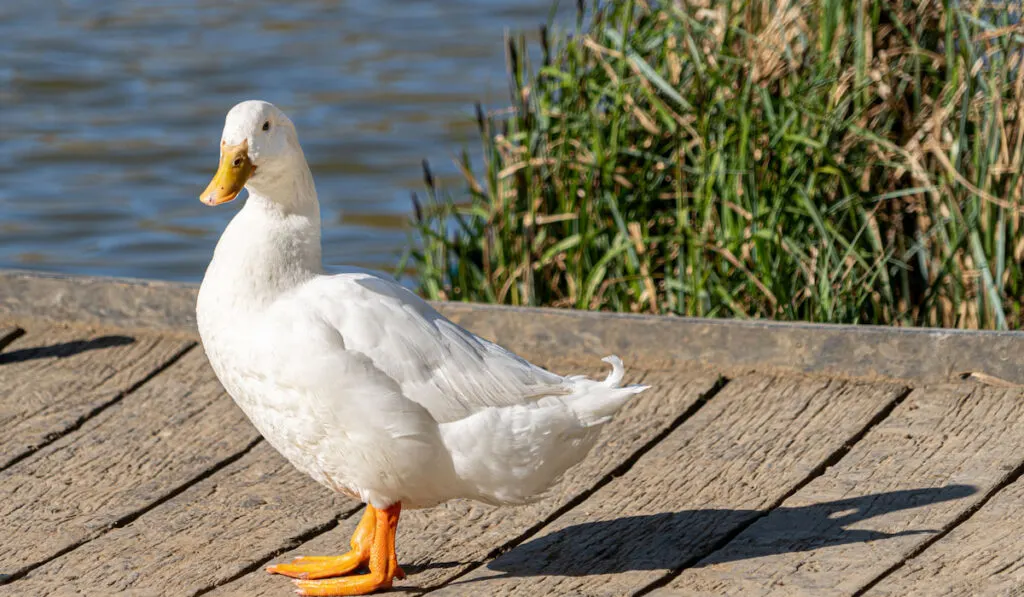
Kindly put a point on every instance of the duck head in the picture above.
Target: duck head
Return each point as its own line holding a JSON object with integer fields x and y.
{"x": 259, "y": 151}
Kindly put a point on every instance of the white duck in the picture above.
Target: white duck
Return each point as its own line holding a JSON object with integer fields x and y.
{"x": 360, "y": 383}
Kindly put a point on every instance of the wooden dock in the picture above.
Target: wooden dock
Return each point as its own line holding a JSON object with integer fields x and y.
{"x": 768, "y": 459}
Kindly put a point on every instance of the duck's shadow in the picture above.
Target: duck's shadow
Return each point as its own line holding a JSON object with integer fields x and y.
{"x": 63, "y": 349}
{"x": 673, "y": 539}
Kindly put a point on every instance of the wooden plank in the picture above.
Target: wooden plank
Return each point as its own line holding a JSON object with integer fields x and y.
{"x": 144, "y": 448}
{"x": 752, "y": 444}
{"x": 730, "y": 345}
{"x": 982, "y": 556}
{"x": 236, "y": 518}
{"x": 126, "y": 303}
{"x": 912, "y": 476}
{"x": 437, "y": 543}
{"x": 56, "y": 376}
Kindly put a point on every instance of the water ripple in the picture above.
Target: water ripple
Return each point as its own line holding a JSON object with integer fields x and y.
{"x": 110, "y": 113}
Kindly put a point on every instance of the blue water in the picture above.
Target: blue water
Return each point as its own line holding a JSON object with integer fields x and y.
{"x": 111, "y": 111}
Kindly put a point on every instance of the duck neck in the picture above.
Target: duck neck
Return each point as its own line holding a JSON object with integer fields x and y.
{"x": 272, "y": 244}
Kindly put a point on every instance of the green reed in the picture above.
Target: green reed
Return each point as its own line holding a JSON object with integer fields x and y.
{"x": 835, "y": 161}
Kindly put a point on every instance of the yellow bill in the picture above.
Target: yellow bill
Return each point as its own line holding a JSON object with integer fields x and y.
{"x": 234, "y": 170}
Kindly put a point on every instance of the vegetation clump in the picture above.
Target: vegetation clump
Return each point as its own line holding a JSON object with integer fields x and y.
{"x": 853, "y": 161}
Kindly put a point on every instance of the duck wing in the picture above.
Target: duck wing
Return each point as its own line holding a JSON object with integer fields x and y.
{"x": 448, "y": 370}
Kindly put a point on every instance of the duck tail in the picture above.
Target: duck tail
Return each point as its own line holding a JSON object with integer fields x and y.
{"x": 595, "y": 402}
{"x": 513, "y": 454}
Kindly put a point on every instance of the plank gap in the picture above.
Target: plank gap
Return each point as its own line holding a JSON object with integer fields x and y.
{"x": 253, "y": 506}
{"x": 1010, "y": 479}
{"x": 127, "y": 520}
{"x": 816, "y": 472}
{"x": 82, "y": 420}
{"x": 618, "y": 471}
{"x": 8, "y": 335}
{"x": 309, "y": 535}
{"x": 133, "y": 516}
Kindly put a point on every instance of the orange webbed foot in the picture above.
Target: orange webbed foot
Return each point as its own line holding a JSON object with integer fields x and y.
{"x": 320, "y": 566}
{"x": 313, "y": 567}
{"x": 373, "y": 544}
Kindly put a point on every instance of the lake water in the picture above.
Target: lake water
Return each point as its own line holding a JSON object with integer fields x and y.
{"x": 111, "y": 112}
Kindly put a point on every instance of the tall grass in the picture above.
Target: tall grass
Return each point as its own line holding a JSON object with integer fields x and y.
{"x": 835, "y": 161}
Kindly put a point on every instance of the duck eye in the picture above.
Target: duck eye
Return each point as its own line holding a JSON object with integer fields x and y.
{"x": 266, "y": 125}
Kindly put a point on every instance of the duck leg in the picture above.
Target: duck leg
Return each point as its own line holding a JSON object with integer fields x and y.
{"x": 394, "y": 570}
{"x": 313, "y": 567}
{"x": 382, "y": 563}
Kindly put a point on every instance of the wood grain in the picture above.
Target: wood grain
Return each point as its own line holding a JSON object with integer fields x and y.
{"x": 754, "y": 442}
{"x": 912, "y": 476}
{"x": 438, "y": 543}
{"x": 55, "y": 376}
{"x": 238, "y": 517}
{"x": 161, "y": 437}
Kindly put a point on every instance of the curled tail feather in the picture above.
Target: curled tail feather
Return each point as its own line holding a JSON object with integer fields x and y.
{"x": 595, "y": 402}
{"x": 618, "y": 371}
